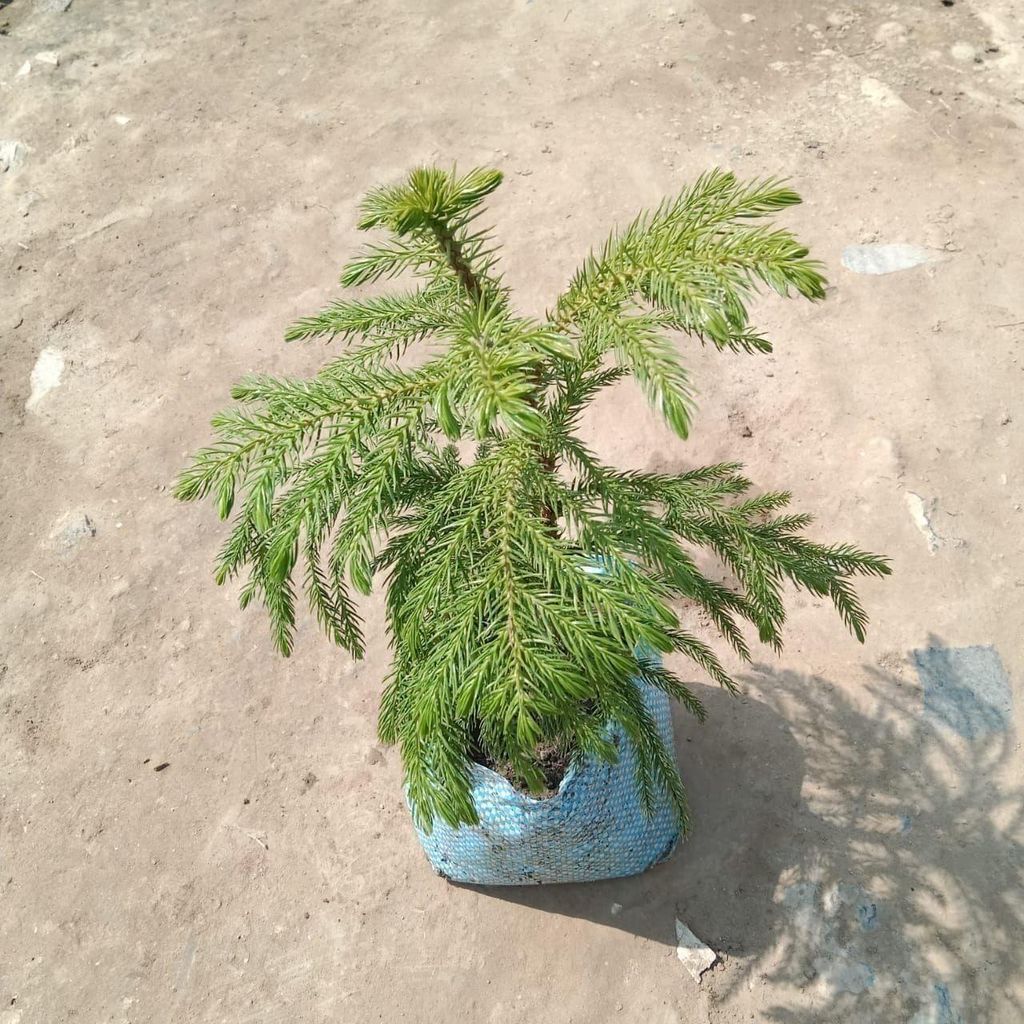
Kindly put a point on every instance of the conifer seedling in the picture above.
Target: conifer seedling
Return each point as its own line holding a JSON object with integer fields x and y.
{"x": 528, "y": 582}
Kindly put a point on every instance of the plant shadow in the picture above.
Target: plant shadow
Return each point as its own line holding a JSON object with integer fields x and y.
{"x": 852, "y": 858}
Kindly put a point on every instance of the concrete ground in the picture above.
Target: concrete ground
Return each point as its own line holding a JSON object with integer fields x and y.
{"x": 183, "y": 185}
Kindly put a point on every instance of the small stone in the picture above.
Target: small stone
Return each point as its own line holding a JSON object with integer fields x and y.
{"x": 12, "y": 155}
{"x": 54, "y": 6}
{"x": 748, "y": 19}
{"x": 374, "y": 756}
{"x": 51, "y": 57}
{"x": 695, "y": 955}
{"x": 71, "y": 529}
{"x": 963, "y": 51}
{"x": 122, "y": 120}
{"x": 595, "y": 63}
{"x": 45, "y": 375}
{"x": 883, "y": 259}
{"x": 24, "y": 69}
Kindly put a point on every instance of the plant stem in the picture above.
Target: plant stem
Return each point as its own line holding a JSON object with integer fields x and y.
{"x": 449, "y": 245}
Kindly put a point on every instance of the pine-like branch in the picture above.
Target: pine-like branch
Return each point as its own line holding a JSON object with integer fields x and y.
{"x": 529, "y": 586}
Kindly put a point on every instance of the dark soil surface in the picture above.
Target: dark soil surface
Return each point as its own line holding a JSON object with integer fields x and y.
{"x": 552, "y": 760}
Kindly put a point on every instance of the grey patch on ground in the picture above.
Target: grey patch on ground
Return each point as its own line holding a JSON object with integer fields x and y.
{"x": 54, "y": 6}
{"x": 115, "y": 217}
{"x": 26, "y": 201}
{"x": 45, "y": 375}
{"x": 884, "y": 259}
{"x": 696, "y": 956}
{"x": 819, "y": 912}
{"x": 12, "y": 155}
{"x": 71, "y": 529}
{"x": 853, "y": 976}
{"x": 185, "y": 969}
{"x": 966, "y": 689}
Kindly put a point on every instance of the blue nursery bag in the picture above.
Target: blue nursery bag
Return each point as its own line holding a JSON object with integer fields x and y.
{"x": 594, "y": 827}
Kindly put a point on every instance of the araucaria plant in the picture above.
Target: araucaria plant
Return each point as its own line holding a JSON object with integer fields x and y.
{"x": 528, "y": 582}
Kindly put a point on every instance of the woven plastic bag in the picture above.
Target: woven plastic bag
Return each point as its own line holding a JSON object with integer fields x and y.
{"x": 594, "y": 826}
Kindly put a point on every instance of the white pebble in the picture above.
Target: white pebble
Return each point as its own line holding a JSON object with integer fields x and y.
{"x": 45, "y": 375}
{"x": 12, "y": 155}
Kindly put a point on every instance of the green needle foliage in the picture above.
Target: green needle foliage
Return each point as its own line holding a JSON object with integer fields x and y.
{"x": 505, "y": 636}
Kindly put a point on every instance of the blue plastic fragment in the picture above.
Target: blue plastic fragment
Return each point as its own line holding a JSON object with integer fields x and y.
{"x": 945, "y": 1011}
{"x": 867, "y": 914}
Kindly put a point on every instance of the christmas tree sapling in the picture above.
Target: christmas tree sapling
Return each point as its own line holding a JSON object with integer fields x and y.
{"x": 505, "y": 640}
